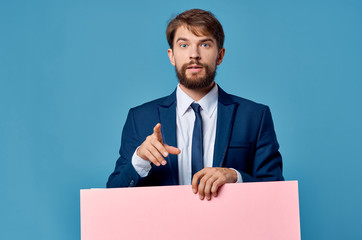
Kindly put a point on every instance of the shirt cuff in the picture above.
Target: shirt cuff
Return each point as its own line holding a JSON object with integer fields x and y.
{"x": 240, "y": 178}
{"x": 142, "y": 167}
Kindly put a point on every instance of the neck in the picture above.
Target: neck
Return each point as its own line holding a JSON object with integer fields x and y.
{"x": 197, "y": 94}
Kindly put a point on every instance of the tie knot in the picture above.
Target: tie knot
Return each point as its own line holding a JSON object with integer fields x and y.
{"x": 196, "y": 107}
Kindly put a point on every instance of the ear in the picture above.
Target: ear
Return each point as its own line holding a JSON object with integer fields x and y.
{"x": 171, "y": 56}
{"x": 220, "y": 56}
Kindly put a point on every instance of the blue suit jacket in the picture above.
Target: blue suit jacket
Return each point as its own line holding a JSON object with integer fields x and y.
{"x": 245, "y": 140}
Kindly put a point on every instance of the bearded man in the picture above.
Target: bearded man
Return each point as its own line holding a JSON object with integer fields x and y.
{"x": 199, "y": 135}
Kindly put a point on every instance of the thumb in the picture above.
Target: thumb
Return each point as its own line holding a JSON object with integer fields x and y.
{"x": 172, "y": 150}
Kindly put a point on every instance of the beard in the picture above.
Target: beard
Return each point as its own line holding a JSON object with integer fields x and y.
{"x": 195, "y": 82}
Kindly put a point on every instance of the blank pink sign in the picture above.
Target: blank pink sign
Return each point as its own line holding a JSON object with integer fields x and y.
{"x": 266, "y": 211}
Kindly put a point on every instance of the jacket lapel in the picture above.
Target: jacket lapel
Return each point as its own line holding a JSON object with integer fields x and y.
{"x": 167, "y": 114}
{"x": 225, "y": 118}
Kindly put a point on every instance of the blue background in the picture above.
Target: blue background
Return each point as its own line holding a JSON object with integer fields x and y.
{"x": 70, "y": 70}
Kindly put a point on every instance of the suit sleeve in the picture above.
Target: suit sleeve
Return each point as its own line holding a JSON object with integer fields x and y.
{"x": 124, "y": 174}
{"x": 267, "y": 165}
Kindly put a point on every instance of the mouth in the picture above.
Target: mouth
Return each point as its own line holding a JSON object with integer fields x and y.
{"x": 194, "y": 68}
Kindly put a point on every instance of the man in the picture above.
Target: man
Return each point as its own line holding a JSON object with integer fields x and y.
{"x": 198, "y": 135}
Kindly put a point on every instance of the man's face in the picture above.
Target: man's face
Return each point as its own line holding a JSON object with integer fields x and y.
{"x": 195, "y": 58}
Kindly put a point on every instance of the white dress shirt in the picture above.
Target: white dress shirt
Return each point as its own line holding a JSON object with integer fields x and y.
{"x": 185, "y": 118}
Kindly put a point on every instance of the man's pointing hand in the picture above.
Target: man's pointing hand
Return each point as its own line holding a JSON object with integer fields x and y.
{"x": 154, "y": 149}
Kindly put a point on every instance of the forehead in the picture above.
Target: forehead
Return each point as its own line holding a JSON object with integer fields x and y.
{"x": 191, "y": 33}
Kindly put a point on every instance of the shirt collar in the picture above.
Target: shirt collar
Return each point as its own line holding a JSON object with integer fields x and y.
{"x": 208, "y": 103}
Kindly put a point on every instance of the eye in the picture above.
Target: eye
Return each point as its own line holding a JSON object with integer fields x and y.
{"x": 205, "y": 45}
{"x": 183, "y": 45}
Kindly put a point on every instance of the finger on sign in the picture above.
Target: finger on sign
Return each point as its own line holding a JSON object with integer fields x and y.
{"x": 215, "y": 187}
{"x": 209, "y": 184}
{"x": 204, "y": 181}
{"x": 195, "y": 180}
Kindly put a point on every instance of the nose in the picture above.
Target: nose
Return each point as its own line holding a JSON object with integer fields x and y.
{"x": 194, "y": 53}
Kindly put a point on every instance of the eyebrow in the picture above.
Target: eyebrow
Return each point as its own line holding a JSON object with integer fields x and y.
{"x": 206, "y": 40}
{"x": 181, "y": 39}
{"x": 203, "y": 40}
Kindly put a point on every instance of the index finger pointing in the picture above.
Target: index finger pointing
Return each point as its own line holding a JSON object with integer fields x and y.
{"x": 157, "y": 132}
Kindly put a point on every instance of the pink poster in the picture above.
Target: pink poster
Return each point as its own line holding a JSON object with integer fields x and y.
{"x": 260, "y": 211}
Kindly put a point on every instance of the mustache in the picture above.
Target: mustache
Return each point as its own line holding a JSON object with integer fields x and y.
{"x": 186, "y": 65}
{"x": 194, "y": 62}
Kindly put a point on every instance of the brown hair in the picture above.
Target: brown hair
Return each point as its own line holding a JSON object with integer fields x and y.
{"x": 199, "y": 22}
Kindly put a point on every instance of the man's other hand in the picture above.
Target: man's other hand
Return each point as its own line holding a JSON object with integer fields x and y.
{"x": 211, "y": 179}
{"x": 154, "y": 149}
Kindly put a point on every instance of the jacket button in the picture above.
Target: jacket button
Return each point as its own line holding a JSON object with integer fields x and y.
{"x": 131, "y": 183}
